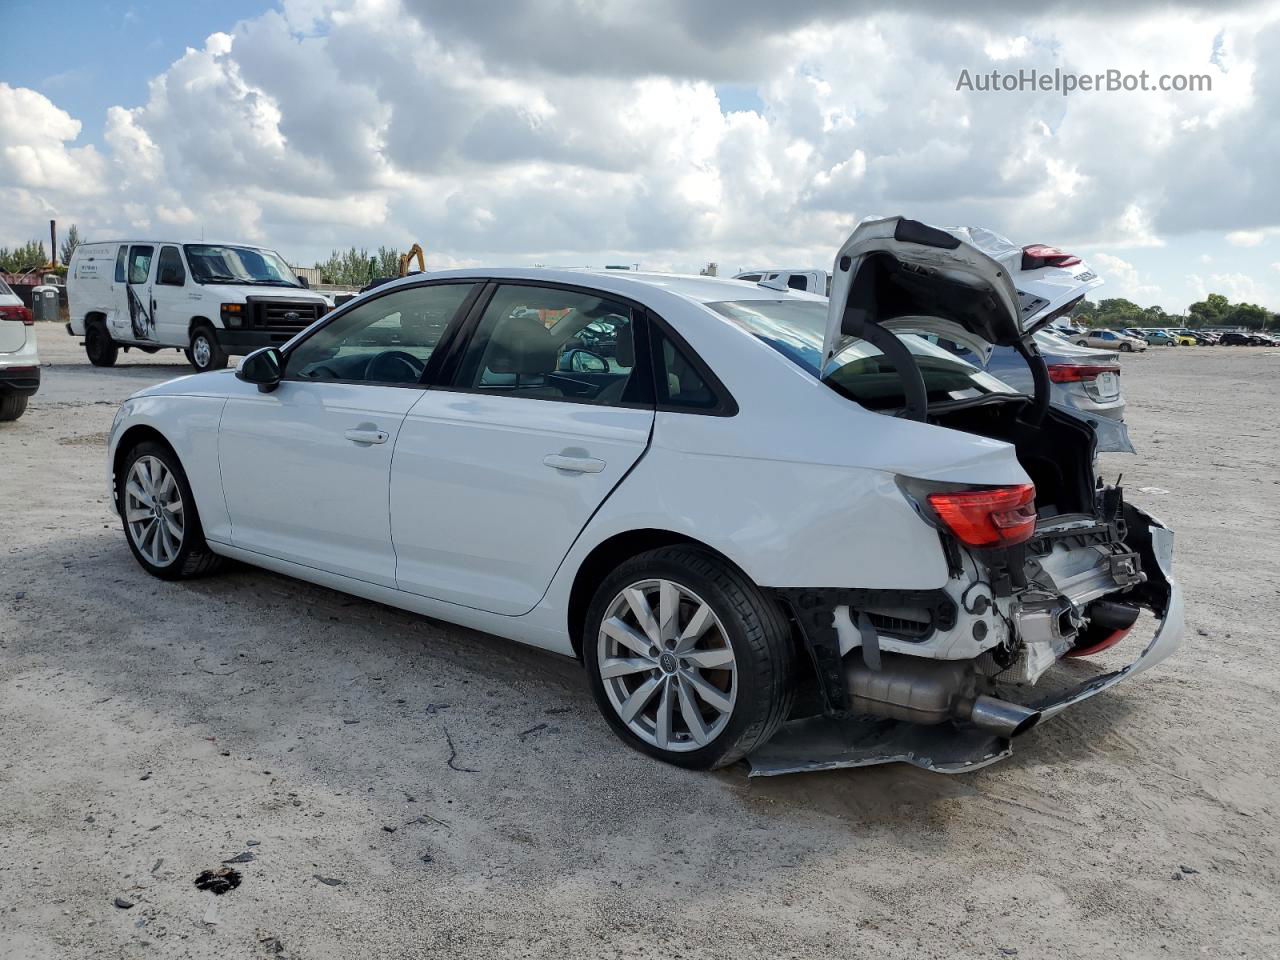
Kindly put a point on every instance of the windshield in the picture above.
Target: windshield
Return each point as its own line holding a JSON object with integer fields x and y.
{"x": 216, "y": 263}
{"x": 795, "y": 328}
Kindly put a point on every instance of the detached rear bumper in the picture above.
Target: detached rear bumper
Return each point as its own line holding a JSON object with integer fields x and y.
{"x": 829, "y": 743}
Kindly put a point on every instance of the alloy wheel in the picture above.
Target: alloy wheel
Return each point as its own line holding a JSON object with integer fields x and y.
{"x": 153, "y": 511}
{"x": 201, "y": 352}
{"x": 667, "y": 665}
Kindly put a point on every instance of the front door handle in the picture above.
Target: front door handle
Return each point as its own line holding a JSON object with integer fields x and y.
{"x": 574, "y": 464}
{"x": 366, "y": 435}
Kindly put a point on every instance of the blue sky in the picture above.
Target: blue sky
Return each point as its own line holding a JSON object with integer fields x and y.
{"x": 667, "y": 134}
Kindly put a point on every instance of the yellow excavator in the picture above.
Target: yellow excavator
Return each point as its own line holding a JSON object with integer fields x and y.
{"x": 415, "y": 252}
{"x": 407, "y": 258}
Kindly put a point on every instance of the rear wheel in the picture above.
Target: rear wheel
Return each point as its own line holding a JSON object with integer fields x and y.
{"x": 205, "y": 353}
{"x": 688, "y": 660}
{"x": 98, "y": 345}
{"x": 159, "y": 515}
{"x": 12, "y": 405}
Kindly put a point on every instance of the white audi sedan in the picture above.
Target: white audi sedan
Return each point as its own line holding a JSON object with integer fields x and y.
{"x": 770, "y": 526}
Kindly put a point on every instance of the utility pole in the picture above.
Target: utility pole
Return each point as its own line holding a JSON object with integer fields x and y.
{"x": 53, "y": 242}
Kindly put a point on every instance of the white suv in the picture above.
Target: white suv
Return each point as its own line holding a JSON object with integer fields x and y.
{"x": 19, "y": 363}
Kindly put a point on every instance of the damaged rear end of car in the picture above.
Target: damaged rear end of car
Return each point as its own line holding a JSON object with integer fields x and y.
{"x": 1051, "y": 569}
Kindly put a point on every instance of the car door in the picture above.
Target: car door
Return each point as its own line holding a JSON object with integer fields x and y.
{"x": 134, "y": 321}
{"x": 170, "y": 309}
{"x": 497, "y": 471}
{"x": 305, "y": 467}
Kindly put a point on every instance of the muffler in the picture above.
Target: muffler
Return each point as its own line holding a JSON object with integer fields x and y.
{"x": 930, "y": 692}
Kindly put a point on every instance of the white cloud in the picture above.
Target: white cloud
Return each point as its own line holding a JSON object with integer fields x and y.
{"x": 562, "y": 132}
{"x": 1246, "y": 238}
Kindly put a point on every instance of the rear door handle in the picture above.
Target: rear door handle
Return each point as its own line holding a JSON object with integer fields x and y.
{"x": 363, "y": 435}
{"x": 574, "y": 464}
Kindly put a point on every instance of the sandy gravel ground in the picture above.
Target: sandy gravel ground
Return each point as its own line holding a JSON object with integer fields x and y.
{"x": 471, "y": 802}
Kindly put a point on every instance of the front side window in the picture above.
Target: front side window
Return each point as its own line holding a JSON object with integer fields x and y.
{"x": 122, "y": 265}
{"x": 140, "y": 263}
{"x": 551, "y": 344}
{"x": 169, "y": 271}
{"x": 221, "y": 263}
{"x": 796, "y": 328}
{"x": 387, "y": 340}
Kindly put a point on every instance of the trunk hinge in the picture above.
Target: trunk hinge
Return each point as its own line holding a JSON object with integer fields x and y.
{"x": 916, "y": 405}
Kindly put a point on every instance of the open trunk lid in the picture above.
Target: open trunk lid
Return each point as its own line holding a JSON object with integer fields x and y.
{"x": 902, "y": 275}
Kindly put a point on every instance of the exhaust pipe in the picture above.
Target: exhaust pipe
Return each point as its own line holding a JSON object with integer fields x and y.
{"x": 1002, "y": 717}
{"x": 930, "y": 692}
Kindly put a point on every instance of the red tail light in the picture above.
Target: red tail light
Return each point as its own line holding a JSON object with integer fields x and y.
{"x": 995, "y": 517}
{"x": 1039, "y": 255}
{"x": 1077, "y": 373}
{"x": 17, "y": 313}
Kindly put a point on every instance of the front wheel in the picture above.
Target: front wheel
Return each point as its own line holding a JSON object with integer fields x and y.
{"x": 205, "y": 353}
{"x": 1126, "y": 347}
{"x": 99, "y": 347}
{"x": 688, "y": 660}
{"x": 159, "y": 515}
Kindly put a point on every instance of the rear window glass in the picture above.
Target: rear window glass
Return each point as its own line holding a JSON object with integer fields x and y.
{"x": 795, "y": 328}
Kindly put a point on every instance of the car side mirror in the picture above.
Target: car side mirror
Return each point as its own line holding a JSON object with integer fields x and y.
{"x": 585, "y": 362}
{"x": 264, "y": 367}
{"x": 305, "y": 283}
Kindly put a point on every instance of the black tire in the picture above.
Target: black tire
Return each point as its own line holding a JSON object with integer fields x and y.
{"x": 1084, "y": 343}
{"x": 193, "y": 557}
{"x": 204, "y": 352}
{"x": 755, "y": 628}
{"x": 12, "y": 405}
{"x": 1126, "y": 348}
{"x": 98, "y": 345}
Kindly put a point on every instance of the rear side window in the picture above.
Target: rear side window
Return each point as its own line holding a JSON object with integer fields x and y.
{"x": 4, "y": 288}
{"x": 549, "y": 343}
{"x": 170, "y": 270}
{"x": 751, "y": 277}
{"x": 680, "y": 385}
{"x": 122, "y": 265}
{"x": 796, "y": 328}
{"x": 798, "y": 282}
{"x": 140, "y": 263}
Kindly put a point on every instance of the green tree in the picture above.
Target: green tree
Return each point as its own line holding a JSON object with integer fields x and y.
{"x": 1209, "y": 312}
{"x": 1247, "y": 315}
{"x": 70, "y": 243}
{"x": 1118, "y": 312}
{"x": 23, "y": 258}
{"x": 355, "y": 268}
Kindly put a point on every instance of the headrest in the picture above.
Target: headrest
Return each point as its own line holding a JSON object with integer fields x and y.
{"x": 521, "y": 345}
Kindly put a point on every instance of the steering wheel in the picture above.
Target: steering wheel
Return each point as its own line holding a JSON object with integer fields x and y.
{"x": 391, "y": 366}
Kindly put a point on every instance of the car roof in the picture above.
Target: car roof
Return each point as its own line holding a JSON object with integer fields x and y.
{"x": 691, "y": 287}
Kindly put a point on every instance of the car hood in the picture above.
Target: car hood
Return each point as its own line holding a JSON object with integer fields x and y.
{"x": 233, "y": 291}
{"x": 908, "y": 276}
{"x": 214, "y": 383}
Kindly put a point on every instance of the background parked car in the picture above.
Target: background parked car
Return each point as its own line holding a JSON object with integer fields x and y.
{"x": 19, "y": 364}
{"x": 1233, "y": 339}
{"x": 1160, "y": 338}
{"x": 793, "y": 278}
{"x": 1083, "y": 378}
{"x": 1110, "y": 340}
{"x": 1201, "y": 337}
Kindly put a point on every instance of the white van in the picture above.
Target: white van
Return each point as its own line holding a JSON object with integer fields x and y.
{"x": 794, "y": 278}
{"x": 206, "y": 299}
